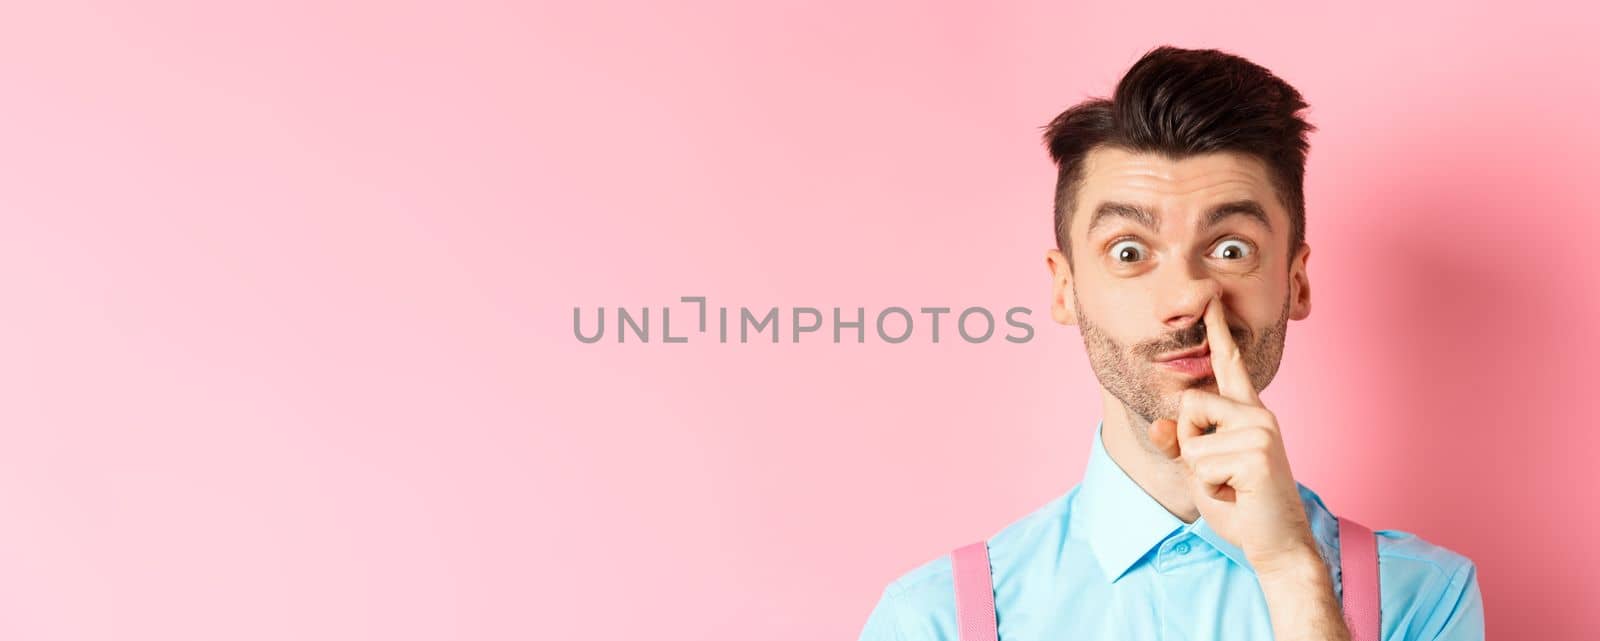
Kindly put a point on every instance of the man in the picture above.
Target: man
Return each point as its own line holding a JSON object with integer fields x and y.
{"x": 1181, "y": 256}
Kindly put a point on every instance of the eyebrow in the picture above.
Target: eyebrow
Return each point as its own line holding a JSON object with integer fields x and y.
{"x": 1109, "y": 210}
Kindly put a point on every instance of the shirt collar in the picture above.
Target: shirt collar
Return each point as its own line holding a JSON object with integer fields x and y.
{"x": 1122, "y": 523}
{"x": 1119, "y": 520}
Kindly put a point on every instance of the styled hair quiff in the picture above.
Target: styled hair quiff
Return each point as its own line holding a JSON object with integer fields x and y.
{"x": 1183, "y": 102}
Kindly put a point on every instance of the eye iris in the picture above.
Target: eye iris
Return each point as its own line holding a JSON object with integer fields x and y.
{"x": 1128, "y": 253}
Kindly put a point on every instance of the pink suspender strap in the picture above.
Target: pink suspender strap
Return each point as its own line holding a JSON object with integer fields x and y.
{"x": 1358, "y": 567}
{"x": 975, "y": 619}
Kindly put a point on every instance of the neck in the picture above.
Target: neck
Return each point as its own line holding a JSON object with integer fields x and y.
{"x": 1127, "y": 439}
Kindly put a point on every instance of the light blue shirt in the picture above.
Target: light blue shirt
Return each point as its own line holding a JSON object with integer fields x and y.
{"x": 1106, "y": 561}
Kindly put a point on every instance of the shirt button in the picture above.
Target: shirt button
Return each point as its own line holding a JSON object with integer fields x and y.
{"x": 1181, "y": 548}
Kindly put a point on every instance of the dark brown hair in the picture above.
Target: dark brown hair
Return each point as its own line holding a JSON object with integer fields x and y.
{"x": 1182, "y": 102}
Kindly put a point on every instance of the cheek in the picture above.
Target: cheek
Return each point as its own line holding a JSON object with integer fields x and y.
{"x": 1118, "y": 312}
{"x": 1119, "y": 304}
{"x": 1261, "y": 306}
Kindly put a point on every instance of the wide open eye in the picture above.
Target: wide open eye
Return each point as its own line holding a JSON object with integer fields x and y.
{"x": 1232, "y": 249}
{"x": 1128, "y": 251}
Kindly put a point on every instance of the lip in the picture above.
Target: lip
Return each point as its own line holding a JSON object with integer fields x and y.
{"x": 1203, "y": 349}
{"x": 1192, "y": 363}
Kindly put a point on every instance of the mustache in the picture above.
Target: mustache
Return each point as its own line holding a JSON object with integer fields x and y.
{"x": 1192, "y": 336}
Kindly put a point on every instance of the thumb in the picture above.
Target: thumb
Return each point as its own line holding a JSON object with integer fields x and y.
{"x": 1164, "y": 435}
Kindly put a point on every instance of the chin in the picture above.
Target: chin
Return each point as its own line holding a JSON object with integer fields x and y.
{"x": 1172, "y": 392}
{"x": 1176, "y": 383}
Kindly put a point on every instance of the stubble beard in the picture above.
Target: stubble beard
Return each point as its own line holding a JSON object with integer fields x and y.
{"x": 1131, "y": 375}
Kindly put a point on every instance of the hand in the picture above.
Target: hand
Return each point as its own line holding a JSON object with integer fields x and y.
{"x": 1239, "y": 474}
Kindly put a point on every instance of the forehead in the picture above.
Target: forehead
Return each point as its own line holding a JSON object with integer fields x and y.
{"x": 1181, "y": 188}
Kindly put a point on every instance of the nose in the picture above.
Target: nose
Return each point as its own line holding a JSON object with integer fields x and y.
{"x": 1183, "y": 297}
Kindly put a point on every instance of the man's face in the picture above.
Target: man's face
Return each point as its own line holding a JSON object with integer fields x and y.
{"x": 1153, "y": 239}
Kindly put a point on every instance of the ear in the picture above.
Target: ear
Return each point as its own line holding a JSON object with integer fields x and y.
{"x": 1063, "y": 305}
{"x": 1300, "y": 284}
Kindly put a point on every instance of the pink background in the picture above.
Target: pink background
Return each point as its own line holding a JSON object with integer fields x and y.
{"x": 288, "y": 293}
